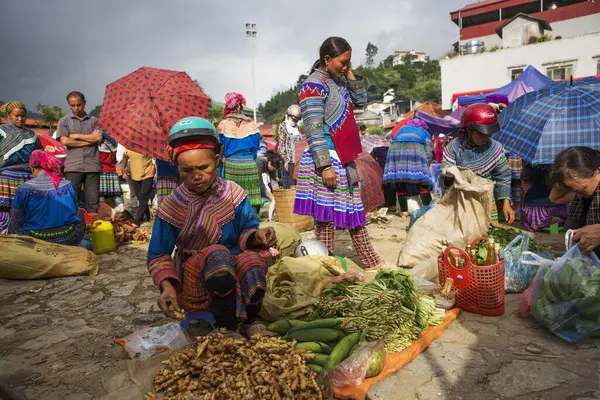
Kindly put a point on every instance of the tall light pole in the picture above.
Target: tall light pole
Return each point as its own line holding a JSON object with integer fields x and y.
{"x": 251, "y": 33}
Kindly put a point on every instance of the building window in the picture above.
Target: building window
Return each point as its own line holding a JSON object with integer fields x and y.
{"x": 515, "y": 72}
{"x": 559, "y": 72}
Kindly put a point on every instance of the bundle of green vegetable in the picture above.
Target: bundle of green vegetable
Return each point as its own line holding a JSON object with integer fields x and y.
{"x": 566, "y": 299}
{"x": 388, "y": 308}
{"x": 503, "y": 236}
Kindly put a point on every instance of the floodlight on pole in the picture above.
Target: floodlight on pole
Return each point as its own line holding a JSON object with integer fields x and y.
{"x": 251, "y": 32}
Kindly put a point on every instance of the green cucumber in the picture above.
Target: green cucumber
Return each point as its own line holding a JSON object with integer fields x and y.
{"x": 320, "y": 359}
{"x": 319, "y": 323}
{"x": 316, "y": 335}
{"x": 284, "y": 325}
{"x": 313, "y": 347}
{"x": 315, "y": 367}
{"x": 342, "y": 350}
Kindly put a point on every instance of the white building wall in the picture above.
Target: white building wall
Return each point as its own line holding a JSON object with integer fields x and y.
{"x": 519, "y": 32}
{"x": 492, "y": 70}
{"x": 569, "y": 28}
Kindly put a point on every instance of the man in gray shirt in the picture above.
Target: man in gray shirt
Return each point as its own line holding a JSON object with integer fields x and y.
{"x": 77, "y": 131}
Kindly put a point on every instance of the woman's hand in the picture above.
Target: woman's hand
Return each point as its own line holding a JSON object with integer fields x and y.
{"x": 329, "y": 177}
{"x": 264, "y": 239}
{"x": 560, "y": 195}
{"x": 587, "y": 237}
{"x": 167, "y": 302}
{"x": 509, "y": 212}
{"x": 349, "y": 74}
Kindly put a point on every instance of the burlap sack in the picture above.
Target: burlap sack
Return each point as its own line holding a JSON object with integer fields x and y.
{"x": 294, "y": 286}
{"x": 288, "y": 237}
{"x": 23, "y": 257}
{"x": 463, "y": 214}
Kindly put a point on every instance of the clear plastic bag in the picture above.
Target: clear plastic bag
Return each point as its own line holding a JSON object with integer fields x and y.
{"x": 146, "y": 343}
{"x": 517, "y": 274}
{"x": 565, "y": 296}
{"x": 366, "y": 360}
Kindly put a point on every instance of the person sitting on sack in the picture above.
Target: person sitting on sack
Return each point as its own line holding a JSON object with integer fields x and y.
{"x": 46, "y": 206}
{"x": 211, "y": 225}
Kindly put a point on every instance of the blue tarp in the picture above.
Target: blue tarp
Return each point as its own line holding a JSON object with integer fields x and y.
{"x": 530, "y": 77}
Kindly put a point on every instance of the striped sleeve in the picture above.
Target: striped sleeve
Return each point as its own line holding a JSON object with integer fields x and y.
{"x": 502, "y": 178}
{"x": 312, "y": 102}
{"x": 358, "y": 92}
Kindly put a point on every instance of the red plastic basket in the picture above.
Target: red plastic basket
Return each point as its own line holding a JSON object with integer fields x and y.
{"x": 479, "y": 290}
{"x": 89, "y": 217}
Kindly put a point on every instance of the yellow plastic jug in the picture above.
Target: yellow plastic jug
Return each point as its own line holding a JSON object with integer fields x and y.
{"x": 103, "y": 237}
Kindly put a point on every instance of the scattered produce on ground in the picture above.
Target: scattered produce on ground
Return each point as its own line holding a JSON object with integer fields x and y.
{"x": 220, "y": 368}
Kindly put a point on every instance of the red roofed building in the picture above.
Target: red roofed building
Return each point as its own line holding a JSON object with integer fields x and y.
{"x": 40, "y": 127}
{"x": 478, "y": 21}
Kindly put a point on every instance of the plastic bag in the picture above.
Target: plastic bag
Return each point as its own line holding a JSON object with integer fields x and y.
{"x": 534, "y": 261}
{"x": 517, "y": 274}
{"x": 353, "y": 370}
{"x": 565, "y": 296}
{"x": 146, "y": 343}
{"x": 415, "y": 215}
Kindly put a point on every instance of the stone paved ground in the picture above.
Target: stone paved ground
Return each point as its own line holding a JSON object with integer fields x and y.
{"x": 56, "y": 341}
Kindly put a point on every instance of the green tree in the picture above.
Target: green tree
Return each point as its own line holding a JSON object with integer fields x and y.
{"x": 371, "y": 53}
{"x": 215, "y": 114}
{"x": 50, "y": 114}
{"x": 96, "y": 111}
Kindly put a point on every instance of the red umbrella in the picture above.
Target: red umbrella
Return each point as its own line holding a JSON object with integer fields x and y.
{"x": 140, "y": 108}
{"x": 53, "y": 146}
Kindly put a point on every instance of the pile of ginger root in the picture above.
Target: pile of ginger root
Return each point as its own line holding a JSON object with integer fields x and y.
{"x": 222, "y": 368}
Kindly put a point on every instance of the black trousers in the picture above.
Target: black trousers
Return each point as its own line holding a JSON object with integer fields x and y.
{"x": 144, "y": 193}
{"x": 404, "y": 191}
{"x": 91, "y": 181}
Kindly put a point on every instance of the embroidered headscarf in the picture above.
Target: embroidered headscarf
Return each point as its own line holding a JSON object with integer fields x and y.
{"x": 192, "y": 143}
{"x": 419, "y": 123}
{"x": 50, "y": 164}
{"x": 232, "y": 102}
{"x": 7, "y": 108}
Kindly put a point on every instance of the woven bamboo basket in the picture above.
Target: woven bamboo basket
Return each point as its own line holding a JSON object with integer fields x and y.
{"x": 284, "y": 204}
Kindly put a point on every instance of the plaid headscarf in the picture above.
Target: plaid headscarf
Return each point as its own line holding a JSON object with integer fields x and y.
{"x": 7, "y": 108}
{"x": 50, "y": 164}
{"x": 232, "y": 101}
{"x": 419, "y": 123}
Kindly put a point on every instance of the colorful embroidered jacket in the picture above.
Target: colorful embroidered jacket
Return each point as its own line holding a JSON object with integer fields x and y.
{"x": 38, "y": 205}
{"x": 17, "y": 144}
{"x": 327, "y": 110}
{"x": 189, "y": 223}
{"x": 239, "y": 136}
{"x": 487, "y": 161}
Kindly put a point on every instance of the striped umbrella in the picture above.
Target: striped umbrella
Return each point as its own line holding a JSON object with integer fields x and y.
{"x": 539, "y": 125}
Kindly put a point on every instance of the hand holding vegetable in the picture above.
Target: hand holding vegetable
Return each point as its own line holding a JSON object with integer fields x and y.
{"x": 167, "y": 302}
{"x": 587, "y": 237}
{"x": 509, "y": 213}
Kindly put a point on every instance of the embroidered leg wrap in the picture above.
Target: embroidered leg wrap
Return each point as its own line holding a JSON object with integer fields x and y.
{"x": 364, "y": 248}
{"x": 325, "y": 232}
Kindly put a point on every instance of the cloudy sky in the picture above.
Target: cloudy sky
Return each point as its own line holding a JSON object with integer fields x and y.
{"x": 54, "y": 46}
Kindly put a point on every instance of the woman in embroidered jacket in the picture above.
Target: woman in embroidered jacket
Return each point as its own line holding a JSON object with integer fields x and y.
{"x": 212, "y": 227}
{"x": 484, "y": 156}
{"x": 240, "y": 138}
{"x": 328, "y": 180}
{"x": 17, "y": 142}
{"x": 46, "y": 206}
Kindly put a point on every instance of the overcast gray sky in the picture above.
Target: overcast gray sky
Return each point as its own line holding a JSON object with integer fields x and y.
{"x": 51, "y": 47}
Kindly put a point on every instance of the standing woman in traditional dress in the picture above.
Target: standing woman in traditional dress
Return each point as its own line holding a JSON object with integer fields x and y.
{"x": 477, "y": 151}
{"x": 407, "y": 170}
{"x": 17, "y": 142}
{"x": 213, "y": 229}
{"x": 167, "y": 179}
{"x": 45, "y": 207}
{"x": 109, "y": 179}
{"x": 240, "y": 138}
{"x": 328, "y": 180}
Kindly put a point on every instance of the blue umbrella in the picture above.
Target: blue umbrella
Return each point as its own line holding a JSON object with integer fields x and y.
{"x": 539, "y": 125}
